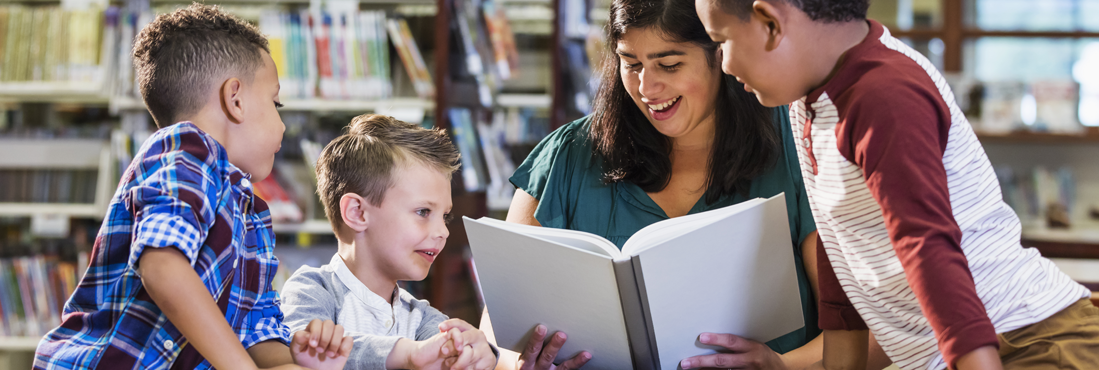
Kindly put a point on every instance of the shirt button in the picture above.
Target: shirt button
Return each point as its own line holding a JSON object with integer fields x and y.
{"x": 168, "y": 345}
{"x": 805, "y": 142}
{"x": 235, "y": 262}
{"x": 388, "y": 323}
{"x": 245, "y": 182}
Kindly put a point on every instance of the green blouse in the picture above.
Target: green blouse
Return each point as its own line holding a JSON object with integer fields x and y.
{"x": 565, "y": 177}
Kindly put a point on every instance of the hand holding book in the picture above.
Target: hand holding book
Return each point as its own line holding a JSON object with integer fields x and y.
{"x": 729, "y": 270}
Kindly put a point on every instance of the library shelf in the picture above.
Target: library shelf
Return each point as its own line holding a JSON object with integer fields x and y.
{"x": 18, "y": 343}
{"x": 64, "y": 155}
{"x": 1088, "y": 136}
{"x": 265, "y": 2}
{"x": 49, "y": 92}
{"x": 313, "y": 105}
{"x": 308, "y": 227}
{"x": 524, "y": 100}
{"x": 52, "y": 153}
{"x": 72, "y": 210}
{"x": 1063, "y": 243}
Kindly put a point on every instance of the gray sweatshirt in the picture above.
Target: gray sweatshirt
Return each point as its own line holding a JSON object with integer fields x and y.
{"x": 332, "y": 292}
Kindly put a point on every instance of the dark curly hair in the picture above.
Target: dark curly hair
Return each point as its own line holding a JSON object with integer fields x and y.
{"x": 745, "y": 140}
{"x": 817, "y": 10}
{"x": 179, "y": 56}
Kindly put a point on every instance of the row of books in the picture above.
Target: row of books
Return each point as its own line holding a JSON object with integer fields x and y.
{"x": 330, "y": 54}
{"x": 49, "y": 43}
{"x": 48, "y": 186}
{"x": 492, "y": 145}
{"x": 341, "y": 55}
{"x": 33, "y": 292}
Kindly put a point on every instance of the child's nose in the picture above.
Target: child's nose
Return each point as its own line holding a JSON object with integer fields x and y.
{"x": 442, "y": 231}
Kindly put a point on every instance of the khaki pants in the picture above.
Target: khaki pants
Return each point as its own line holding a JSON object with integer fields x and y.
{"x": 1067, "y": 340}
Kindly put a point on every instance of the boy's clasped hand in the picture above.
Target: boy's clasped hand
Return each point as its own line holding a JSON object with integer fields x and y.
{"x": 461, "y": 347}
{"x": 322, "y": 345}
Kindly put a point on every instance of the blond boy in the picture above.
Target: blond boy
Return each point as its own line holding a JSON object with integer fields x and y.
{"x": 385, "y": 186}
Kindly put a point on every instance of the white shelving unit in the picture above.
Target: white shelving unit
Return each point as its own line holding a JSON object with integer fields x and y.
{"x": 313, "y": 105}
{"x": 58, "y": 92}
{"x": 524, "y": 100}
{"x": 60, "y": 154}
{"x": 18, "y": 343}
{"x": 17, "y": 352}
{"x": 308, "y": 227}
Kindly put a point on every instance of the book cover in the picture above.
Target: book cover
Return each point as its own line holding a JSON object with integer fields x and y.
{"x": 506, "y": 55}
{"x": 728, "y": 270}
{"x": 401, "y": 37}
{"x": 473, "y": 171}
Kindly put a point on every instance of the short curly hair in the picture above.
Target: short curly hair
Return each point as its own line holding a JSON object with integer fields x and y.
{"x": 818, "y": 10}
{"x": 180, "y": 55}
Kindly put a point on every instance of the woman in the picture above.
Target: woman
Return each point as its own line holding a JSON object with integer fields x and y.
{"x": 671, "y": 135}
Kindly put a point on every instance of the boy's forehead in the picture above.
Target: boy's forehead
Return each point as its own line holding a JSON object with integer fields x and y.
{"x": 421, "y": 183}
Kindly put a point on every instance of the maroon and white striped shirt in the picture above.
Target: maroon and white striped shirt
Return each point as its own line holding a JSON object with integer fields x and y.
{"x": 922, "y": 249}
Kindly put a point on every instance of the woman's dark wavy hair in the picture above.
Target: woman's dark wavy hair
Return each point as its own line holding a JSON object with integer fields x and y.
{"x": 745, "y": 140}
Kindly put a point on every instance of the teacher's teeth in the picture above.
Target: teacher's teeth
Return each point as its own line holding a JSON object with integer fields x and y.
{"x": 664, "y": 105}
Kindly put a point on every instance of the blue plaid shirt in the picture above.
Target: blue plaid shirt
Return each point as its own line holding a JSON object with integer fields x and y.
{"x": 180, "y": 192}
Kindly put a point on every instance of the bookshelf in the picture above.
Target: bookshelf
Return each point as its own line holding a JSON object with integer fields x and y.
{"x": 312, "y": 105}
{"x": 1089, "y": 136}
{"x": 433, "y": 25}
{"x": 524, "y": 100}
{"x": 47, "y": 165}
{"x": 55, "y": 92}
{"x": 19, "y": 343}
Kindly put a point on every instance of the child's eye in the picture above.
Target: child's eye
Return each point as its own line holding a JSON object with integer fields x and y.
{"x": 670, "y": 68}
{"x": 278, "y": 105}
{"x": 423, "y": 212}
{"x": 633, "y": 66}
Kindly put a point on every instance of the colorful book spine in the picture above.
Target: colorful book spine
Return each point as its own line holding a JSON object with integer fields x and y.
{"x": 401, "y": 37}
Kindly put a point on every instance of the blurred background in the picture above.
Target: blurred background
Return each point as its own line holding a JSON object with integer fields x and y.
{"x": 499, "y": 75}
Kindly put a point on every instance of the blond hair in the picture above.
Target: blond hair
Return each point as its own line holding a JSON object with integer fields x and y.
{"x": 363, "y": 160}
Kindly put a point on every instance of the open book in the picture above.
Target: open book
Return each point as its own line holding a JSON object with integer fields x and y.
{"x": 729, "y": 270}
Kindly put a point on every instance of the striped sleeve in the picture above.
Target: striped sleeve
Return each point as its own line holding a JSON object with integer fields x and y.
{"x": 898, "y": 138}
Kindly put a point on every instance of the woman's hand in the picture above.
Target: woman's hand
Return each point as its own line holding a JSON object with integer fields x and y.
{"x": 742, "y": 354}
{"x": 537, "y": 357}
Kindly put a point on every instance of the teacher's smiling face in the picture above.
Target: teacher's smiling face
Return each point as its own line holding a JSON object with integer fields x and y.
{"x": 673, "y": 83}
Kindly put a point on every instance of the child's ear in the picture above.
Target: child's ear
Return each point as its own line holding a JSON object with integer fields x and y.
{"x": 231, "y": 97}
{"x": 354, "y": 213}
{"x": 772, "y": 18}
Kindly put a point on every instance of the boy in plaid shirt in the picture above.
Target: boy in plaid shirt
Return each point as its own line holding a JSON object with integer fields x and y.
{"x": 180, "y": 274}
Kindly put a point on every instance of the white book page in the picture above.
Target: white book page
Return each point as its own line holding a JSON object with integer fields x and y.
{"x": 529, "y": 280}
{"x": 660, "y": 232}
{"x": 571, "y": 238}
{"x": 736, "y": 275}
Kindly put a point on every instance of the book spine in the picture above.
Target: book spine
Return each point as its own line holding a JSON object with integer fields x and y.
{"x": 311, "y": 53}
{"x": 324, "y": 58}
{"x": 637, "y": 325}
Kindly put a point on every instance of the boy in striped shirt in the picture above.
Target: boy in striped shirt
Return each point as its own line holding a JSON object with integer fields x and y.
{"x": 916, "y": 244}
